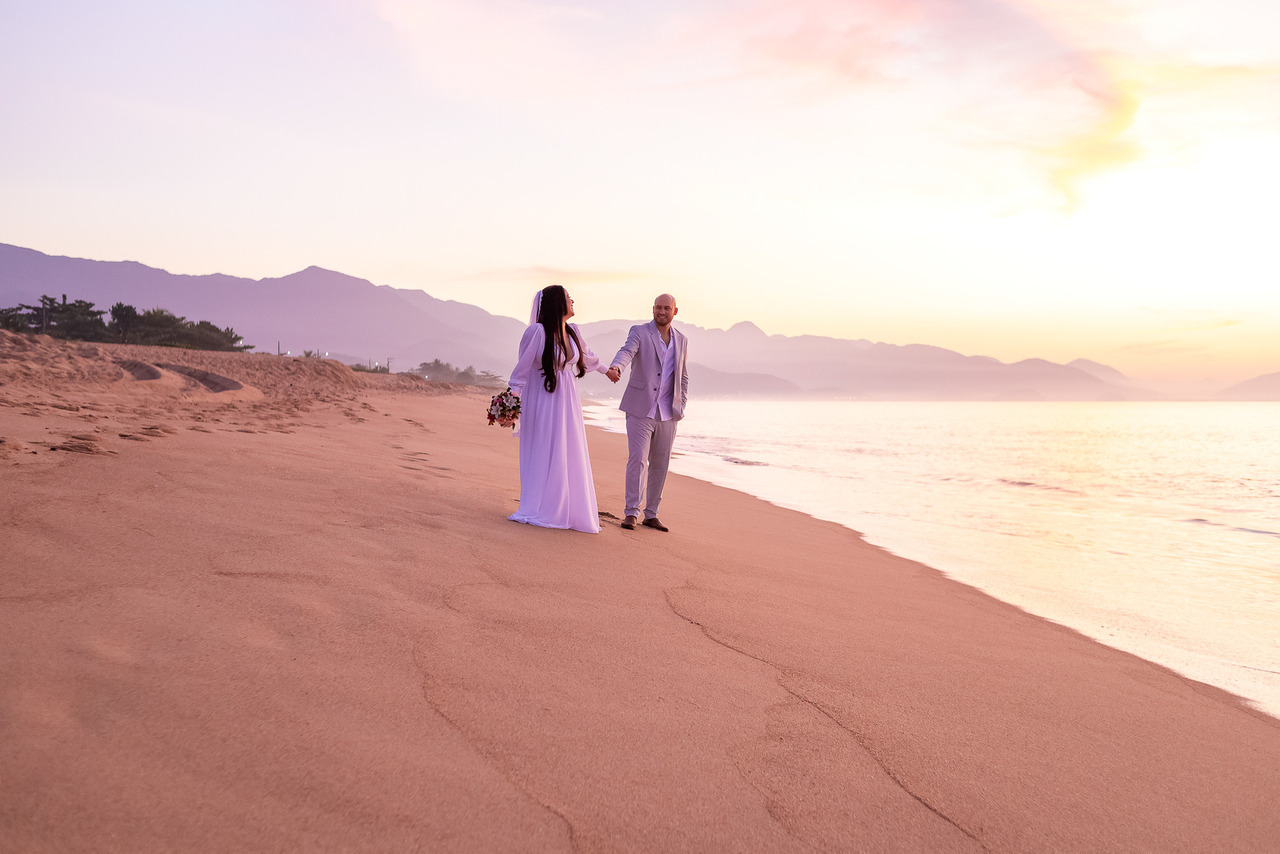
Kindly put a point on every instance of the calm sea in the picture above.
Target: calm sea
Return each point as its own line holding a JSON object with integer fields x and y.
{"x": 1152, "y": 527}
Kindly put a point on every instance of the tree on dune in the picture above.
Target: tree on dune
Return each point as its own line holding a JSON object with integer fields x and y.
{"x": 124, "y": 318}
{"x": 77, "y": 320}
{"x": 446, "y": 372}
{"x": 80, "y": 321}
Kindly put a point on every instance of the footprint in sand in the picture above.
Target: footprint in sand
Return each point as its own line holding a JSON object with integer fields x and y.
{"x": 151, "y": 431}
{"x": 80, "y": 443}
{"x": 413, "y": 457}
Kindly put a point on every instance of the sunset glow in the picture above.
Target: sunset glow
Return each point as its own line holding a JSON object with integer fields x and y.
{"x": 1015, "y": 178}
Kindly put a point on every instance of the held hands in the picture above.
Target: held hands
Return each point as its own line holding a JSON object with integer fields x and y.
{"x": 614, "y": 373}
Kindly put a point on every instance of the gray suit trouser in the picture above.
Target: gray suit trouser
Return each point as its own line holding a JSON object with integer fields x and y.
{"x": 649, "y": 442}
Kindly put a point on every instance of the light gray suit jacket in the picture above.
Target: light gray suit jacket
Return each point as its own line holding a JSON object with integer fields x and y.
{"x": 641, "y": 352}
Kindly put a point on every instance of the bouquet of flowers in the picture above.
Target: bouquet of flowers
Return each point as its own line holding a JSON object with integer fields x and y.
{"x": 504, "y": 409}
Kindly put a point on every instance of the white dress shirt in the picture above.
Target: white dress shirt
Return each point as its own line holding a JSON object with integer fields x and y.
{"x": 667, "y": 386}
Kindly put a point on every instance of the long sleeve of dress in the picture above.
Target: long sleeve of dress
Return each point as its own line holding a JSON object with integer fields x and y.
{"x": 529, "y": 362}
{"x": 590, "y": 360}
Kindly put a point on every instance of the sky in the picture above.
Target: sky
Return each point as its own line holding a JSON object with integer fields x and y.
{"x": 1056, "y": 179}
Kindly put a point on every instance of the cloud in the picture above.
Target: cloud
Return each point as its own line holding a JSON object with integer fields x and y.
{"x": 542, "y": 276}
{"x": 504, "y": 50}
{"x": 1165, "y": 347}
{"x": 1180, "y": 331}
{"x": 984, "y": 75}
{"x": 1169, "y": 75}
{"x": 1185, "y": 103}
{"x": 1196, "y": 322}
{"x": 843, "y": 42}
{"x": 888, "y": 40}
{"x": 1103, "y": 144}
{"x": 1198, "y": 99}
{"x": 991, "y": 92}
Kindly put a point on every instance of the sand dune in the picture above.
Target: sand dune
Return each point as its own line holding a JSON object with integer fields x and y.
{"x": 293, "y": 616}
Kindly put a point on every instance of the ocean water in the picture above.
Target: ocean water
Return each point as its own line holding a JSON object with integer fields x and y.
{"x": 1151, "y": 527}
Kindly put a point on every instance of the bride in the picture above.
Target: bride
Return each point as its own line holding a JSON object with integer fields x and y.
{"x": 556, "y": 490}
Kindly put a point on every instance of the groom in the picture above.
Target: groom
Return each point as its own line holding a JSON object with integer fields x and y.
{"x": 654, "y": 402}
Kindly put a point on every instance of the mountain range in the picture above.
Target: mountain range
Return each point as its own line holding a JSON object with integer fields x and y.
{"x": 356, "y": 321}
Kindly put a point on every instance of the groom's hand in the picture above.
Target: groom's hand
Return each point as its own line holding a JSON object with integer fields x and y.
{"x": 614, "y": 373}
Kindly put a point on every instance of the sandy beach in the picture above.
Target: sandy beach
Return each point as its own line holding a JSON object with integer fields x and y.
{"x": 255, "y": 603}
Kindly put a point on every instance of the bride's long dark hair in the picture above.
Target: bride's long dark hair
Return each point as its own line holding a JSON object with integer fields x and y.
{"x": 551, "y": 315}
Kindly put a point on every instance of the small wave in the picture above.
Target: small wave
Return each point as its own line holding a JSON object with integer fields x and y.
{"x": 1259, "y": 669}
{"x": 1256, "y": 531}
{"x": 741, "y": 462}
{"x": 1233, "y": 528}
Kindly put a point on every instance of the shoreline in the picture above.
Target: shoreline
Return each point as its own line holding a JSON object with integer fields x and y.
{"x": 1251, "y": 679}
{"x": 301, "y": 619}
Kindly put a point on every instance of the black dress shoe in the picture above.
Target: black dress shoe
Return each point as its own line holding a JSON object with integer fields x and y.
{"x": 629, "y": 523}
{"x": 654, "y": 523}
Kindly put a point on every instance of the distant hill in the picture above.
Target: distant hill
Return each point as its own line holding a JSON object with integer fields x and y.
{"x": 358, "y": 321}
{"x": 314, "y": 309}
{"x": 1102, "y": 372}
{"x": 827, "y": 367}
{"x": 1265, "y": 387}
{"x": 708, "y": 382}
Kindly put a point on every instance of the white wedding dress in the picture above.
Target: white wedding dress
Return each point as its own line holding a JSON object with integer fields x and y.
{"x": 556, "y": 489}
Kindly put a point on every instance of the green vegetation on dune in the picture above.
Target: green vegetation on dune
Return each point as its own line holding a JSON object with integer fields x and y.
{"x": 80, "y": 321}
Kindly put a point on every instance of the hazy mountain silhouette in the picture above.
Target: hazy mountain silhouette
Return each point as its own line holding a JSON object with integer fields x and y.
{"x": 825, "y": 367}
{"x": 359, "y": 321}
{"x": 707, "y": 382}
{"x": 314, "y": 309}
{"x": 1265, "y": 387}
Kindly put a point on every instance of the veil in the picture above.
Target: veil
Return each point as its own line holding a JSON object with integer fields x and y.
{"x": 537, "y": 307}
{"x": 533, "y": 320}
